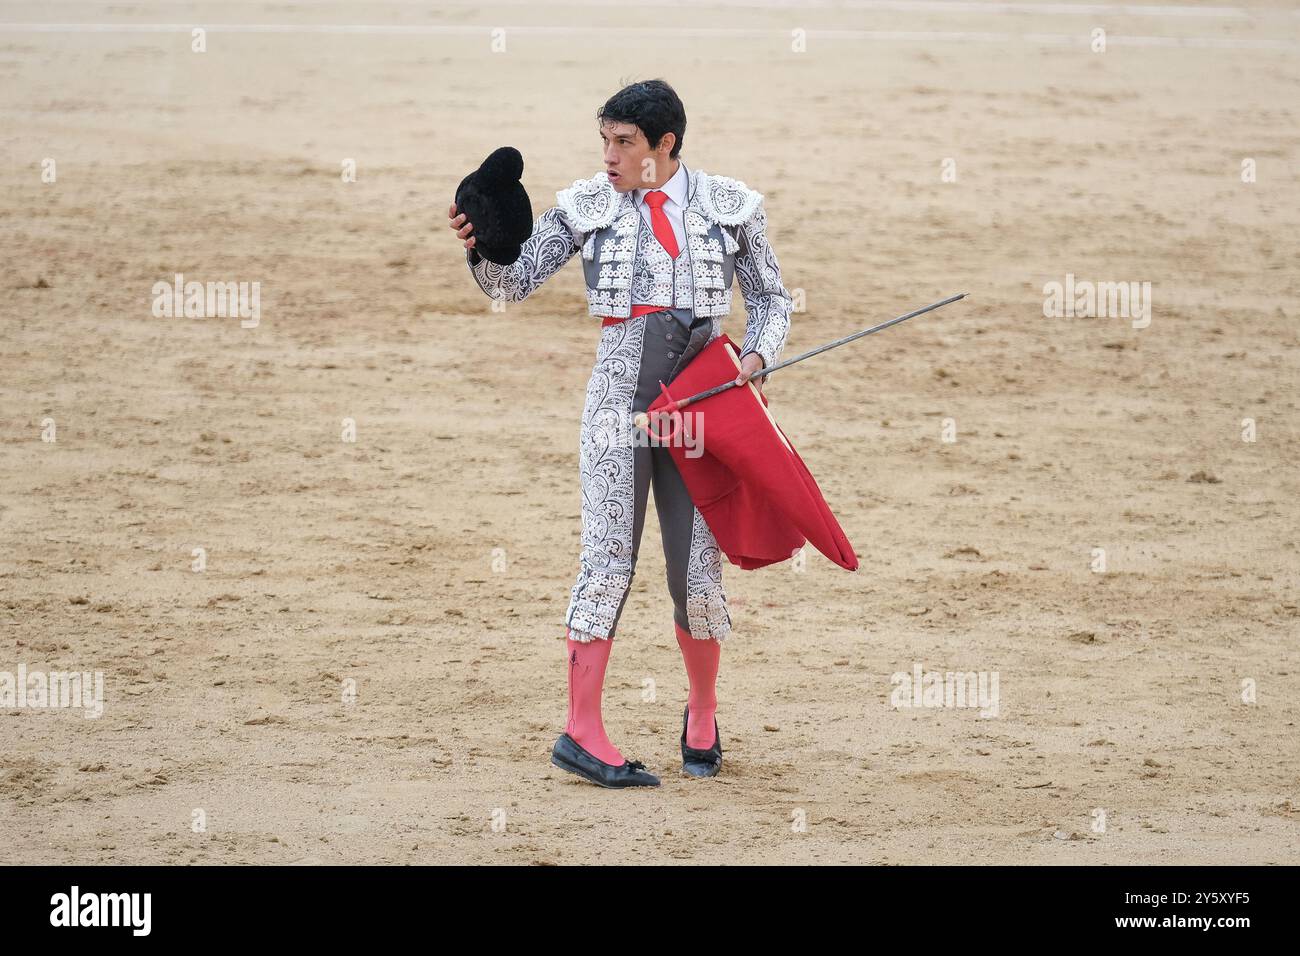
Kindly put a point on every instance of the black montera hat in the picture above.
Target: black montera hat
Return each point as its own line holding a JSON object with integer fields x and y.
{"x": 496, "y": 203}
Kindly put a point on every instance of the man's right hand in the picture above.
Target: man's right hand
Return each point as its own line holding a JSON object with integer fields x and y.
{"x": 462, "y": 227}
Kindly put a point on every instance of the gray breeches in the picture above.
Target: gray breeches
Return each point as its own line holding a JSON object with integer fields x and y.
{"x": 616, "y": 475}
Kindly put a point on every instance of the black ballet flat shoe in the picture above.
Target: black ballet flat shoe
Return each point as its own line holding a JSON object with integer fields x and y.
{"x": 568, "y": 754}
{"x": 701, "y": 763}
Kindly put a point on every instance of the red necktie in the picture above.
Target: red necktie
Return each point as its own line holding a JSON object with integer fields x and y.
{"x": 655, "y": 199}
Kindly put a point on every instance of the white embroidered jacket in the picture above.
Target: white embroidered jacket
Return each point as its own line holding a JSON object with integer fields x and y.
{"x": 726, "y": 237}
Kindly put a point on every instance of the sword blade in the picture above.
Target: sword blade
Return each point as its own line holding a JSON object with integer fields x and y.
{"x": 857, "y": 335}
{"x": 683, "y": 402}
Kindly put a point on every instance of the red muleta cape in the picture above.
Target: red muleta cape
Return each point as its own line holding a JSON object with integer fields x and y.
{"x": 750, "y": 485}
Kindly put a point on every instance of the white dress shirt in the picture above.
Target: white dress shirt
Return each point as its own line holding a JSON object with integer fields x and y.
{"x": 675, "y": 189}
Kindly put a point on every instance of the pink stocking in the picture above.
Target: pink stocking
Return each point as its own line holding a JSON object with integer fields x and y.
{"x": 701, "y": 657}
{"x": 587, "y": 662}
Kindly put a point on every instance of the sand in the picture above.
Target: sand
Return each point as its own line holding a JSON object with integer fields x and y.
{"x": 425, "y": 567}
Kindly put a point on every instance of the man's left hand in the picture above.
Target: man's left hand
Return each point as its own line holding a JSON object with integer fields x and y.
{"x": 751, "y": 363}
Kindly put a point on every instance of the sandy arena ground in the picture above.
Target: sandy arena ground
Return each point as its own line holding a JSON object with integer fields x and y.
{"x": 430, "y": 561}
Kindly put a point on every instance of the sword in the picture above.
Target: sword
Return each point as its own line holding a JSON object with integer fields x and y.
{"x": 676, "y": 404}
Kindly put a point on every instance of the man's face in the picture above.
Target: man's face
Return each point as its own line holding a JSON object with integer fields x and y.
{"x": 630, "y": 163}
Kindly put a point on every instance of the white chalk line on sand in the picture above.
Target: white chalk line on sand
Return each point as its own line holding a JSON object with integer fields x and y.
{"x": 961, "y": 36}
{"x": 895, "y": 6}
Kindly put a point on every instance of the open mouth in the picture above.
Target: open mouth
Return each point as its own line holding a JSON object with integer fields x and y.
{"x": 612, "y": 175}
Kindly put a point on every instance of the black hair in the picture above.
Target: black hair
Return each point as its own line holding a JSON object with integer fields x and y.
{"x": 653, "y": 106}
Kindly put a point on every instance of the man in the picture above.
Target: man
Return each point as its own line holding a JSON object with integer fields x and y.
{"x": 660, "y": 245}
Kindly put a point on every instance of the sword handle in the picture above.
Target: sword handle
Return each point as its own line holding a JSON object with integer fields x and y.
{"x": 672, "y": 411}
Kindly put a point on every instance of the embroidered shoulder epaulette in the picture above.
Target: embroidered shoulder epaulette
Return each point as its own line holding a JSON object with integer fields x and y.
{"x": 589, "y": 203}
{"x": 726, "y": 200}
